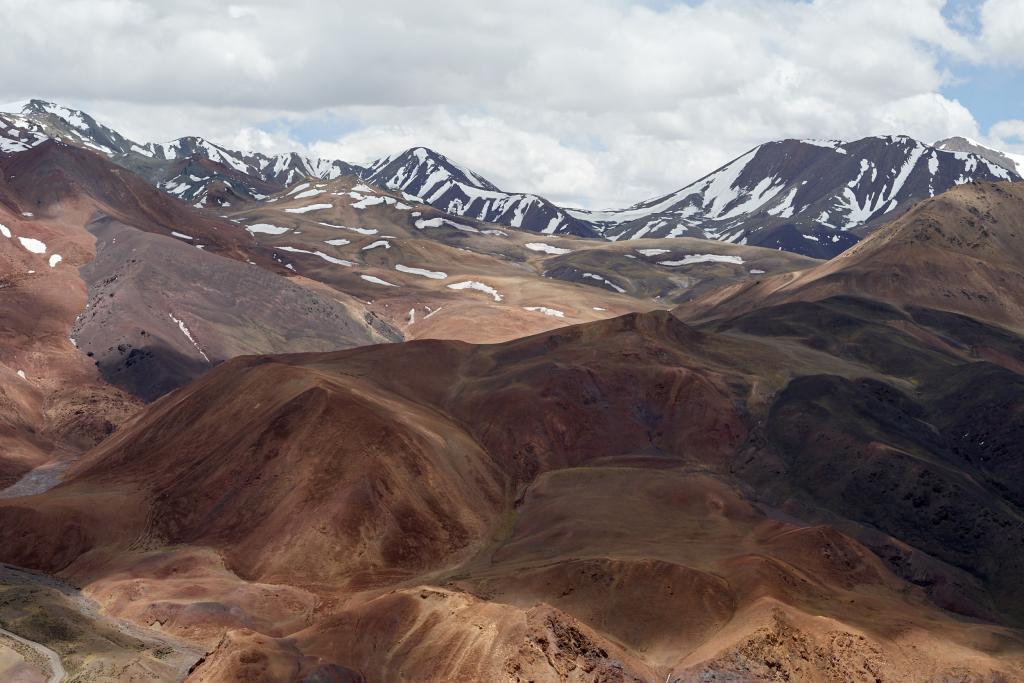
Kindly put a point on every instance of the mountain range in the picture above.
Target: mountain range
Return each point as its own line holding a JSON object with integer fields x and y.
{"x": 811, "y": 197}
{"x": 279, "y": 419}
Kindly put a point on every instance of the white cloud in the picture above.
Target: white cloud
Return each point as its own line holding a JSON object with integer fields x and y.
{"x": 927, "y": 116}
{"x": 513, "y": 157}
{"x": 597, "y": 102}
{"x": 1002, "y": 31}
{"x": 1010, "y": 131}
{"x": 1008, "y": 136}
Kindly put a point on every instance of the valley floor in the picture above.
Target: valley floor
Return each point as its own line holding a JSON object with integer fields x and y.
{"x": 71, "y": 638}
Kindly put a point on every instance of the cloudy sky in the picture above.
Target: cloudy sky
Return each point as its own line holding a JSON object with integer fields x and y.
{"x": 599, "y": 103}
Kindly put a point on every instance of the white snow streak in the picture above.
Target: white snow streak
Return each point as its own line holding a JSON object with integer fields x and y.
{"x": 554, "y": 313}
{"x": 33, "y": 245}
{"x": 479, "y": 286}
{"x": 188, "y": 334}
{"x": 546, "y": 248}
{"x": 311, "y": 207}
{"x": 702, "y": 258}
{"x": 266, "y": 228}
{"x": 432, "y": 274}
{"x": 325, "y": 257}
{"x": 377, "y": 281}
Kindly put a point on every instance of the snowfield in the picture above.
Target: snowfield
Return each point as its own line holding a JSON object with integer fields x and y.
{"x": 553, "y": 312}
{"x": 479, "y": 286}
{"x": 311, "y": 207}
{"x": 432, "y": 274}
{"x": 325, "y": 257}
{"x": 33, "y": 245}
{"x": 377, "y": 281}
{"x": 266, "y": 228}
{"x": 690, "y": 259}
{"x": 547, "y": 248}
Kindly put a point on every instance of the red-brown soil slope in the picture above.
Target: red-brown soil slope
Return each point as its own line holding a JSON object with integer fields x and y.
{"x": 962, "y": 251}
{"x": 437, "y": 276}
{"x": 147, "y": 314}
{"x": 575, "y": 505}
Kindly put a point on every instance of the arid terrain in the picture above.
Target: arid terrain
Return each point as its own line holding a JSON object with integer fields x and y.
{"x": 335, "y": 433}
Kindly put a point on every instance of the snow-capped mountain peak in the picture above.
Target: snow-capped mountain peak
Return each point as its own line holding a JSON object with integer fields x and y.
{"x": 72, "y": 126}
{"x": 815, "y": 197}
{"x": 811, "y": 196}
{"x": 191, "y": 168}
{"x": 419, "y": 170}
{"x": 454, "y": 188}
{"x": 964, "y": 145}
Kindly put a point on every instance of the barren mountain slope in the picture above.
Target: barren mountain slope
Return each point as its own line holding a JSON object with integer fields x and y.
{"x": 564, "y": 506}
{"x": 132, "y": 304}
{"x": 962, "y": 252}
{"x": 812, "y": 197}
{"x": 819, "y": 481}
{"x": 434, "y": 275}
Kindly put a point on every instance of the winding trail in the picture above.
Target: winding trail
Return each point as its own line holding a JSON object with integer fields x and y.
{"x": 57, "y": 672}
{"x": 38, "y": 480}
{"x": 181, "y": 655}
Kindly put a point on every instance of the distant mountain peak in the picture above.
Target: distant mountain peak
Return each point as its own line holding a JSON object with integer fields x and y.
{"x": 812, "y": 197}
{"x": 402, "y": 170}
{"x": 456, "y": 189}
{"x": 964, "y": 145}
{"x": 75, "y": 116}
{"x": 250, "y": 175}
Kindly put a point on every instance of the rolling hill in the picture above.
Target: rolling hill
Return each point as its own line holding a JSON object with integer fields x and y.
{"x": 959, "y": 252}
{"x": 140, "y": 308}
{"x": 274, "y": 418}
{"x": 810, "y": 487}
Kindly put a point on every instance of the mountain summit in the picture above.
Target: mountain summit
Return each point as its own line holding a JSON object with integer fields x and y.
{"x": 342, "y": 429}
{"x": 811, "y": 197}
{"x": 188, "y": 168}
{"x": 458, "y": 190}
{"x": 1011, "y": 162}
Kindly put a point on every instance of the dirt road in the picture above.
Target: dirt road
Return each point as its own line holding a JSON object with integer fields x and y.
{"x": 55, "y": 669}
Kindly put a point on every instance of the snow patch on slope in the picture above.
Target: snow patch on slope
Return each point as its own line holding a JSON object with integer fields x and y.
{"x": 479, "y": 286}
{"x": 432, "y": 274}
{"x": 553, "y": 312}
{"x": 690, "y": 259}
{"x": 188, "y": 335}
{"x": 546, "y": 248}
